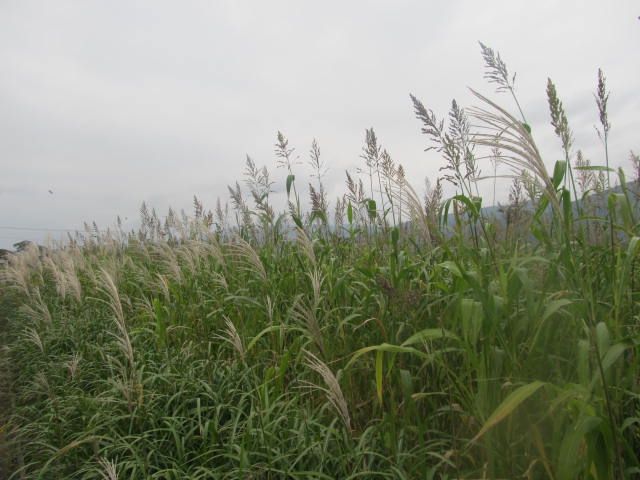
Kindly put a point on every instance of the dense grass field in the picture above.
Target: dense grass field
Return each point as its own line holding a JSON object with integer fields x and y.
{"x": 391, "y": 336}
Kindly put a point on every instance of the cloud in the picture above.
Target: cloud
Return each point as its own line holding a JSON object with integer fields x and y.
{"x": 112, "y": 104}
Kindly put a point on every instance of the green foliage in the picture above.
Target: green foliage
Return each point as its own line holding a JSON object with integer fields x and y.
{"x": 376, "y": 349}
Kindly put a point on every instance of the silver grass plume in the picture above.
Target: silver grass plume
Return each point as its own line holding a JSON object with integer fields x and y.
{"x": 498, "y": 129}
{"x": 232, "y": 336}
{"x": 306, "y": 245}
{"x": 109, "y": 469}
{"x": 332, "y": 390}
{"x": 247, "y": 258}
{"x": 306, "y": 316}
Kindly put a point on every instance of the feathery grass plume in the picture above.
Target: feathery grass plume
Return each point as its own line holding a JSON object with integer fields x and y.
{"x": 41, "y": 384}
{"x": 220, "y": 280}
{"x": 431, "y": 127}
{"x": 339, "y": 212}
{"x": 306, "y": 245}
{"x": 284, "y": 153}
{"x": 498, "y": 129}
{"x": 198, "y": 208}
{"x": 495, "y": 161}
{"x": 32, "y": 335}
{"x": 317, "y": 279}
{"x": 257, "y": 179}
{"x": 404, "y": 191}
{"x": 602, "y": 99}
{"x": 450, "y": 144}
{"x": 585, "y": 178}
{"x": 221, "y": 217}
{"x": 399, "y": 180}
{"x": 332, "y": 390}
{"x": 61, "y": 266}
{"x": 232, "y": 336}
{"x": 317, "y": 201}
{"x": 108, "y": 287}
{"x": 389, "y": 174}
{"x": 514, "y": 212}
{"x": 171, "y": 223}
{"x": 243, "y": 212}
{"x": 17, "y": 273}
{"x": 318, "y": 195}
{"x": 198, "y": 250}
{"x": 72, "y": 281}
{"x": 168, "y": 260}
{"x": 37, "y": 310}
{"x": 352, "y": 189}
{"x": 163, "y": 286}
{"x": 57, "y": 275}
{"x": 212, "y": 248}
{"x": 269, "y": 308}
{"x": 634, "y": 159}
{"x": 440, "y": 140}
{"x": 561, "y": 127}
{"x": 286, "y": 160}
{"x": 371, "y": 153}
{"x": 146, "y": 223}
{"x": 433, "y": 200}
{"x": 355, "y": 196}
{"x": 531, "y": 186}
{"x": 189, "y": 260}
{"x": 496, "y": 72}
{"x": 109, "y": 469}
{"x": 306, "y": 316}
{"x": 247, "y": 258}
{"x": 73, "y": 365}
{"x": 459, "y": 135}
{"x": 129, "y": 383}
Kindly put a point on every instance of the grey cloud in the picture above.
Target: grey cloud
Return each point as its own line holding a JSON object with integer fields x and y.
{"x": 112, "y": 103}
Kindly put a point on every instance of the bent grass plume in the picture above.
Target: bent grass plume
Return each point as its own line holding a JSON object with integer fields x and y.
{"x": 332, "y": 387}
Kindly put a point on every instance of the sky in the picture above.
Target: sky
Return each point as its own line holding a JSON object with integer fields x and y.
{"x": 106, "y": 104}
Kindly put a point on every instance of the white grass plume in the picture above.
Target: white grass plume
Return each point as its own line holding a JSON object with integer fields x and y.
{"x": 500, "y": 131}
{"x": 109, "y": 469}
{"x": 232, "y": 336}
{"x": 332, "y": 389}
{"x": 317, "y": 279}
{"x": 405, "y": 195}
{"x": 306, "y": 245}
{"x": 37, "y": 310}
{"x": 124, "y": 342}
{"x": 247, "y": 258}
{"x": 306, "y": 316}
{"x": 32, "y": 335}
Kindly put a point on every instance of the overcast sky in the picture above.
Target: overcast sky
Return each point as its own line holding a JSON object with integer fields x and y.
{"x": 108, "y": 104}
